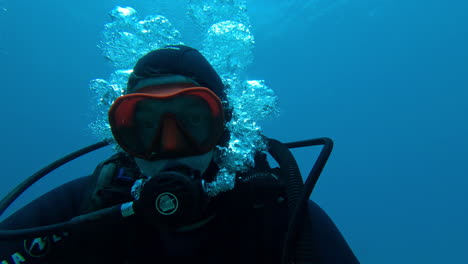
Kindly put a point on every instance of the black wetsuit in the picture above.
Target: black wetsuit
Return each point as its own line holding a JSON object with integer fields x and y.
{"x": 251, "y": 236}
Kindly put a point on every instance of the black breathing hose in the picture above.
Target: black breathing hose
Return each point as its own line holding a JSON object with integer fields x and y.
{"x": 18, "y": 190}
{"x": 303, "y": 243}
{"x": 288, "y": 166}
{"x": 108, "y": 214}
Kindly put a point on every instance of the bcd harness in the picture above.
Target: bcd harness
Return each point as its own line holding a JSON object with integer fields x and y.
{"x": 259, "y": 188}
{"x": 261, "y": 192}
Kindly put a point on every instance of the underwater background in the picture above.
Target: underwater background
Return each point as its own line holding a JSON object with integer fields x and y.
{"x": 386, "y": 80}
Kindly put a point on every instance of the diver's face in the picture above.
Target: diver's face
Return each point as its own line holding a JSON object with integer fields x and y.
{"x": 151, "y": 168}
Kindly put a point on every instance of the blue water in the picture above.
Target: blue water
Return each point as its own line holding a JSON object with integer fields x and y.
{"x": 387, "y": 80}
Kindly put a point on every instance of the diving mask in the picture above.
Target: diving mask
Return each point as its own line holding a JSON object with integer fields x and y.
{"x": 167, "y": 123}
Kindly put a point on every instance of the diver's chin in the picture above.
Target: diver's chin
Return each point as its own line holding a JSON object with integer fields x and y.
{"x": 197, "y": 163}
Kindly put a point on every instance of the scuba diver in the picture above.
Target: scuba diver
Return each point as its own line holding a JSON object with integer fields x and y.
{"x": 151, "y": 201}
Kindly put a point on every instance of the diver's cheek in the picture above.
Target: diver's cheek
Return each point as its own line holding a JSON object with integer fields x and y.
{"x": 153, "y": 168}
{"x": 199, "y": 163}
{"x": 150, "y": 168}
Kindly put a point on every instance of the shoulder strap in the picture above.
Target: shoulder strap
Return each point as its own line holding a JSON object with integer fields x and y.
{"x": 263, "y": 189}
{"x": 110, "y": 183}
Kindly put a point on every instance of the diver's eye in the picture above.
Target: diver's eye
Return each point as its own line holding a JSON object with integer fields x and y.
{"x": 149, "y": 124}
{"x": 195, "y": 119}
{"x": 192, "y": 120}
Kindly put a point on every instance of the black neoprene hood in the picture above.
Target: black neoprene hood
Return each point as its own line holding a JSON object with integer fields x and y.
{"x": 177, "y": 60}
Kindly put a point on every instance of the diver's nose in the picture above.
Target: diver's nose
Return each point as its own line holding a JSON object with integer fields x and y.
{"x": 172, "y": 138}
